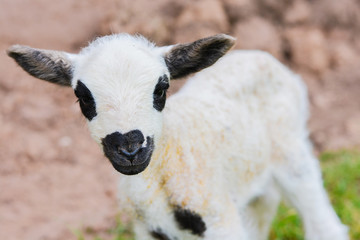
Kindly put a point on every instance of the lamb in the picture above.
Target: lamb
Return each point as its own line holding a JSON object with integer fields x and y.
{"x": 215, "y": 160}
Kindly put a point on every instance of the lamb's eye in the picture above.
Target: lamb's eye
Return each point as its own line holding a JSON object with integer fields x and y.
{"x": 163, "y": 92}
{"x": 159, "y": 94}
{"x": 86, "y": 101}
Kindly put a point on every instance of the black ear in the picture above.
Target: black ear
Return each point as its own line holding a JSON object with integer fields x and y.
{"x": 184, "y": 59}
{"x": 51, "y": 66}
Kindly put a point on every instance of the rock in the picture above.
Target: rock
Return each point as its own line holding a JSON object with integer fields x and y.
{"x": 201, "y": 19}
{"x": 308, "y": 48}
{"x": 334, "y": 13}
{"x": 194, "y": 32}
{"x": 353, "y": 127}
{"x": 273, "y": 8}
{"x": 207, "y": 12}
{"x": 155, "y": 23}
{"x": 342, "y": 48}
{"x": 343, "y": 54}
{"x": 239, "y": 9}
{"x": 258, "y": 33}
{"x": 298, "y": 13}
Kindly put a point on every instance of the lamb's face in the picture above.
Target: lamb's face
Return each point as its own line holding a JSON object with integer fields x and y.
{"x": 121, "y": 84}
{"x": 122, "y": 92}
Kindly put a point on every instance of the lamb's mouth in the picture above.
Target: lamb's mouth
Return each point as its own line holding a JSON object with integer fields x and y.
{"x": 132, "y": 166}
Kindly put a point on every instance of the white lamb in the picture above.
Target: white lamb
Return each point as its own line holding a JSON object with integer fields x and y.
{"x": 222, "y": 150}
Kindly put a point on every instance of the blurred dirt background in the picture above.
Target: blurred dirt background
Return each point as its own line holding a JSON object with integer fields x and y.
{"x": 54, "y": 179}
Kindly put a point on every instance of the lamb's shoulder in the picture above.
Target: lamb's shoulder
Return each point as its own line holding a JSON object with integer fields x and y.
{"x": 244, "y": 73}
{"x": 206, "y": 147}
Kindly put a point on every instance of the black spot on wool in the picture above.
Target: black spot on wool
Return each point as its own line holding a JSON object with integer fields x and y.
{"x": 159, "y": 95}
{"x": 159, "y": 235}
{"x": 86, "y": 100}
{"x": 190, "y": 220}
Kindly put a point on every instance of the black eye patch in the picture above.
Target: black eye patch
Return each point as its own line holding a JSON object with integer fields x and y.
{"x": 159, "y": 95}
{"x": 86, "y": 100}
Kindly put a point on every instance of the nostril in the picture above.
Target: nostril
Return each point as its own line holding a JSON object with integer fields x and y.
{"x": 128, "y": 153}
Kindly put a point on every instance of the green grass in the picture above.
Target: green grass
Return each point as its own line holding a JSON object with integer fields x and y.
{"x": 342, "y": 180}
{"x": 341, "y": 173}
{"x": 119, "y": 232}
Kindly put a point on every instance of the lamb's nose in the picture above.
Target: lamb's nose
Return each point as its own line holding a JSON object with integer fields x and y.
{"x": 127, "y": 145}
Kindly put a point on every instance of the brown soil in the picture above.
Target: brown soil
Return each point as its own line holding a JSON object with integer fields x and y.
{"x": 54, "y": 178}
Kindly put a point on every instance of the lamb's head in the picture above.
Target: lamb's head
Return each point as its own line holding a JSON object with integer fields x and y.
{"x": 121, "y": 83}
